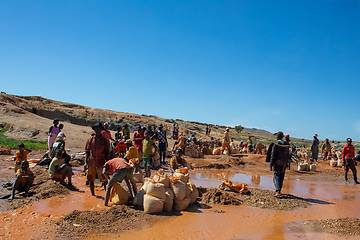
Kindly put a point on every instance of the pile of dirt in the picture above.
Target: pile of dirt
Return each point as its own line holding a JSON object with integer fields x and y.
{"x": 77, "y": 162}
{"x": 340, "y": 226}
{"x": 256, "y": 197}
{"x": 5, "y": 150}
{"x": 41, "y": 191}
{"x": 234, "y": 161}
{"x": 214, "y": 165}
{"x": 42, "y": 188}
{"x": 112, "y": 220}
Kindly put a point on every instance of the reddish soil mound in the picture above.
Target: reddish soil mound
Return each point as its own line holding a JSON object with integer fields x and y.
{"x": 113, "y": 220}
{"x": 340, "y": 226}
{"x": 257, "y": 197}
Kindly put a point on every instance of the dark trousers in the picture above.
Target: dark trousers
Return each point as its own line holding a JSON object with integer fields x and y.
{"x": 279, "y": 175}
{"x": 349, "y": 163}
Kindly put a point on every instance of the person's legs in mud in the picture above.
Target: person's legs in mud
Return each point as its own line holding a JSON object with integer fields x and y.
{"x": 353, "y": 169}
{"x": 29, "y": 183}
{"x": 90, "y": 177}
{"x": 66, "y": 171}
{"x": 278, "y": 179}
{"x": 346, "y": 170}
{"x": 16, "y": 185}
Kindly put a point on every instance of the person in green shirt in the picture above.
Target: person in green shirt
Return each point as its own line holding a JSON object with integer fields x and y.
{"x": 148, "y": 145}
{"x": 59, "y": 173}
{"x": 126, "y": 131}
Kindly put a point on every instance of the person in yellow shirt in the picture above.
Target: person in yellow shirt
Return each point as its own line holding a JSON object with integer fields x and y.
{"x": 21, "y": 155}
{"x": 24, "y": 179}
{"x": 177, "y": 161}
{"x": 226, "y": 141}
{"x": 132, "y": 151}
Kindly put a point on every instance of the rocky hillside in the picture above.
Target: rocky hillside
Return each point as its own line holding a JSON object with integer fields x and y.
{"x": 36, "y": 114}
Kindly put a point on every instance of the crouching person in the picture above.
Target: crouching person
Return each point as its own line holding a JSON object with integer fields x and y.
{"x": 119, "y": 169}
{"x": 59, "y": 173}
{"x": 24, "y": 179}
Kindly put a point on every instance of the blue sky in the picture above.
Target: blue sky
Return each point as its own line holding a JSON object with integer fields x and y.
{"x": 277, "y": 65}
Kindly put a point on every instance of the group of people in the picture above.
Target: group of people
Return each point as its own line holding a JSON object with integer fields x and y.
{"x": 280, "y": 153}
{"x": 109, "y": 162}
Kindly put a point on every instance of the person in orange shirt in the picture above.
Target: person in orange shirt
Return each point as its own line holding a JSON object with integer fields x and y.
{"x": 24, "y": 179}
{"x": 21, "y": 155}
{"x": 348, "y": 155}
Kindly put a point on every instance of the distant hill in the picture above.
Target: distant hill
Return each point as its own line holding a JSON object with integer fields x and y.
{"x": 258, "y": 131}
{"x": 37, "y": 114}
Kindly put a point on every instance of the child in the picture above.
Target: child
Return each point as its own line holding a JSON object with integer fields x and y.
{"x": 21, "y": 155}
{"x": 121, "y": 149}
{"x": 148, "y": 144}
{"x": 24, "y": 179}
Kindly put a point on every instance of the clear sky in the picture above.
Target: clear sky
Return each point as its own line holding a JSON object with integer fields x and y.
{"x": 292, "y": 66}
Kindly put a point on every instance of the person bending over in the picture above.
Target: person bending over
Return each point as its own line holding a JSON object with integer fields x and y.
{"x": 119, "y": 169}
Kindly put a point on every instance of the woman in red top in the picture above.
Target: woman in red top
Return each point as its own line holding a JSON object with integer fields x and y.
{"x": 106, "y": 133}
{"x": 348, "y": 156}
{"x": 138, "y": 137}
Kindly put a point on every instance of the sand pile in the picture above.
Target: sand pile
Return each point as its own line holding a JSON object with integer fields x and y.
{"x": 256, "y": 197}
{"x": 112, "y": 220}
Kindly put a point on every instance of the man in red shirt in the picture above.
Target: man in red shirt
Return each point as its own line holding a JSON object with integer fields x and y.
{"x": 120, "y": 169}
{"x": 348, "y": 156}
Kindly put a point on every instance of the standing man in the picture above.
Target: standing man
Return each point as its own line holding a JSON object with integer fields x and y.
{"x": 163, "y": 144}
{"x": 207, "y": 130}
{"x": 315, "y": 148}
{"x": 97, "y": 151}
{"x": 279, "y": 159}
{"x": 348, "y": 156}
{"x": 326, "y": 149}
{"x": 226, "y": 141}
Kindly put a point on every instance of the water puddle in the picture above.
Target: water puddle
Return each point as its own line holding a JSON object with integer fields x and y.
{"x": 292, "y": 185}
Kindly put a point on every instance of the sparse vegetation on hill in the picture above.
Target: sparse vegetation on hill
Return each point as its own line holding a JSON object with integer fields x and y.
{"x": 13, "y": 143}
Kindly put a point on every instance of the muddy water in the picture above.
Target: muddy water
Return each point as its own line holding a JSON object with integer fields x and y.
{"x": 331, "y": 200}
{"x": 30, "y": 221}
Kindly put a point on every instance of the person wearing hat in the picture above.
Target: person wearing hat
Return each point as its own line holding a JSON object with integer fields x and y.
{"x": 163, "y": 144}
{"x": 97, "y": 151}
{"x": 315, "y": 148}
{"x": 59, "y": 144}
{"x": 126, "y": 131}
{"x": 226, "y": 141}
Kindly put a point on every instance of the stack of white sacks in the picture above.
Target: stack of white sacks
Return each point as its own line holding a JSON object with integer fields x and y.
{"x": 165, "y": 193}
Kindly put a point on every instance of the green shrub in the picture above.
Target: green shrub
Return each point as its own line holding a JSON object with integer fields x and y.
{"x": 12, "y": 143}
